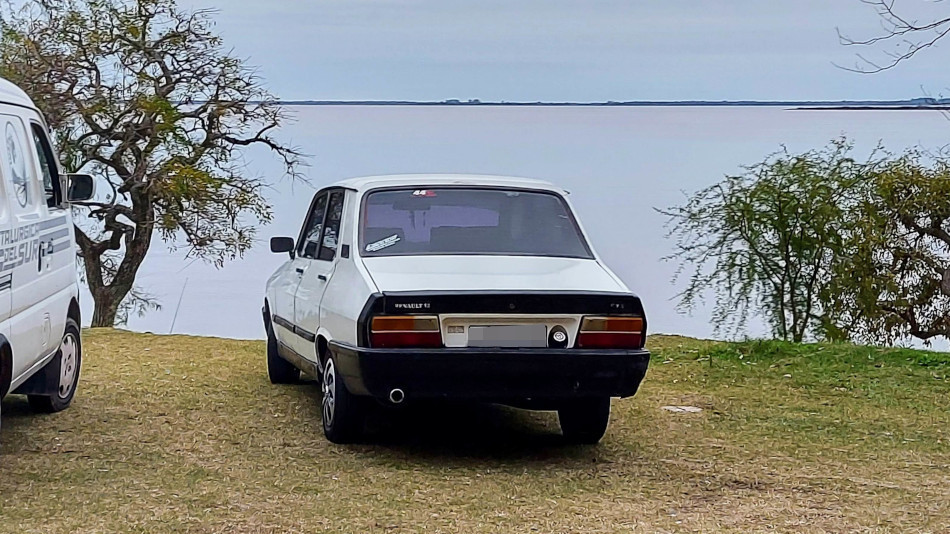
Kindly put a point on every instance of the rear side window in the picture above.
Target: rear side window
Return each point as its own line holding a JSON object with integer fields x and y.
{"x": 331, "y": 228}
{"x": 399, "y": 222}
{"x": 310, "y": 237}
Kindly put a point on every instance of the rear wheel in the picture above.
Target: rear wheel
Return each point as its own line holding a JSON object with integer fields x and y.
{"x": 343, "y": 412}
{"x": 585, "y": 420}
{"x": 69, "y": 361}
{"x": 279, "y": 370}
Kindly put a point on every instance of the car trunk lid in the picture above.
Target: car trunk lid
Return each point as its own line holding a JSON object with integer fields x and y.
{"x": 490, "y": 273}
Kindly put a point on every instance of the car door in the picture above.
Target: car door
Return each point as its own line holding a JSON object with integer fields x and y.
{"x": 30, "y": 325}
{"x": 290, "y": 279}
{"x": 320, "y": 252}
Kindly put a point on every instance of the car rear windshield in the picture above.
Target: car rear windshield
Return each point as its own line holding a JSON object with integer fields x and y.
{"x": 398, "y": 222}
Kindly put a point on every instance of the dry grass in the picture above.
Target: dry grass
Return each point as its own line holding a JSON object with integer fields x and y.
{"x": 179, "y": 434}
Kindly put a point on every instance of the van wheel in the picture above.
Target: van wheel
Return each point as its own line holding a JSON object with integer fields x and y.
{"x": 279, "y": 370}
{"x": 343, "y": 412}
{"x": 69, "y": 360}
{"x": 585, "y": 420}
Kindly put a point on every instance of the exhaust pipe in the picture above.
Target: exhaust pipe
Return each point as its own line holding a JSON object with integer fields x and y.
{"x": 396, "y": 396}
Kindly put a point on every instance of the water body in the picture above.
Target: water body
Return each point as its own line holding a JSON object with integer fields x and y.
{"x": 618, "y": 163}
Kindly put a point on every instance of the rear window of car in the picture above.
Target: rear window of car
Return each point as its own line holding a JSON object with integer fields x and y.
{"x": 402, "y": 222}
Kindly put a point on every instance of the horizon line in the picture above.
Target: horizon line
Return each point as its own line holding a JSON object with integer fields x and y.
{"x": 921, "y": 102}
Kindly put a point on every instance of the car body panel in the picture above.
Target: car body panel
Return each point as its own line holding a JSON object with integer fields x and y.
{"x": 369, "y": 183}
{"x": 281, "y": 290}
{"x": 518, "y": 273}
{"x": 327, "y": 307}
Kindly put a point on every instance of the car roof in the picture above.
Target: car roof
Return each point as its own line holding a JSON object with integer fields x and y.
{"x": 432, "y": 180}
{"x": 11, "y": 94}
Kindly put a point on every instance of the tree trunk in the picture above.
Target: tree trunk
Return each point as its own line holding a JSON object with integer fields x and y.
{"x": 107, "y": 307}
{"x": 108, "y": 297}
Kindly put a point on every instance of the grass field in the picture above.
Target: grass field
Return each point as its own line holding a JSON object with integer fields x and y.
{"x": 180, "y": 434}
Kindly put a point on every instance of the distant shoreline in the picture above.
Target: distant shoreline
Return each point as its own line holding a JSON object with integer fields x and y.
{"x": 925, "y": 104}
{"x": 942, "y": 107}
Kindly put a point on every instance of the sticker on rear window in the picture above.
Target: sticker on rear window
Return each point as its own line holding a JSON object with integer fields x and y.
{"x": 382, "y": 243}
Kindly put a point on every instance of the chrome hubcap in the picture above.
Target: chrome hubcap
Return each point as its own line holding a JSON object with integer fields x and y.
{"x": 69, "y": 358}
{"x": 329, "y": 392}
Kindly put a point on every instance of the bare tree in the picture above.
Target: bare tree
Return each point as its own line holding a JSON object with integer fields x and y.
{"x": 902, "y": 35}
{"x": 144, "y": 94}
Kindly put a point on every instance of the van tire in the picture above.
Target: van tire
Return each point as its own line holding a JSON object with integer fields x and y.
{"x": 279, "y": 370}
{"x": 585, "y": 421}
{"x": 68, "y": 360}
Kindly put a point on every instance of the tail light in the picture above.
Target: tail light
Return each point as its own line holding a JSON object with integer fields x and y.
{"x": 611, "y": 333}
{"x": 418, "y": 331}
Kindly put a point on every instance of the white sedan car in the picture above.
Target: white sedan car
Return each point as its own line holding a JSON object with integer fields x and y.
{"x": 482, "y": 288}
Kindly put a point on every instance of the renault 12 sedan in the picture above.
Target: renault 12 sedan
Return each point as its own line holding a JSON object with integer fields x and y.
{"x": 482, "y": 288}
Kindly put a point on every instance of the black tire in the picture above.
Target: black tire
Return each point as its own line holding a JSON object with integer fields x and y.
{"x": 279, "y": 370}
{"x": 342, "y": 412}
{"x": 585, "y": 420}
{"x": 68, "y": 362}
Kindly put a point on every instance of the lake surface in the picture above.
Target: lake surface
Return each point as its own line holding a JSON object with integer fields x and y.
{"x": 618, "y": 163}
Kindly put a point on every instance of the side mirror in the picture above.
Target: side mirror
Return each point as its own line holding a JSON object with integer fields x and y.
{"x": 79, "y": 187}
{"x": 282, "y": 244}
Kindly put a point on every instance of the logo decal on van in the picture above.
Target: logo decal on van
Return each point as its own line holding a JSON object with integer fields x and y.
{"x": 23, "y": 243}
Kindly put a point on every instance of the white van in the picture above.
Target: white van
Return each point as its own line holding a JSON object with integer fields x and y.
{"x": 40, "y": 348}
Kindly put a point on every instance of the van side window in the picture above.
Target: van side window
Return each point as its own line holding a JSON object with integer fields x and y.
{"x": 19, "y": 171}
{"x": 44, "y": 152}
{"x": 331, "y": 229}
{"x": 310, "y": 237}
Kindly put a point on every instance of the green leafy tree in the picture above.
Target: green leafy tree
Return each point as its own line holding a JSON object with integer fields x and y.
{"x": 767, "y": 241}
{"x": 895, "y": 281}
{"x": 145, "y": 94}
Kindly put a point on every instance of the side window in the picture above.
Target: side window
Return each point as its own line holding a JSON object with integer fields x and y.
{"x": 331, "y": 231}
{"x": 19, "y": 175}
{"x": 310, "y": 237}
{"x": 47, "y": 160}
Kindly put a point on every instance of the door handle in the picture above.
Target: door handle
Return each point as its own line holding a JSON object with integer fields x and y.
{"x": 299, "y": 270}
{"x": 322, "y": 277}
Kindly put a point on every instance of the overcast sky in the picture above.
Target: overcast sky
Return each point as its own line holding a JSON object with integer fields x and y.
{"x": 586, "y": 50}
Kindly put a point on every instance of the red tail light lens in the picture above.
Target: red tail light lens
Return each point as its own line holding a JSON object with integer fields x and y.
{"x": 415, "y": 331}
{"x": 611, "y": 333}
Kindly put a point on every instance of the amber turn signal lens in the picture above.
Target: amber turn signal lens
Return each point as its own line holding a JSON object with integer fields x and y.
{"x": 612, "y": 324}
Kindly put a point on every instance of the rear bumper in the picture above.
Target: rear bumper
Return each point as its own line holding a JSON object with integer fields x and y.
{"x": 496, "y": 375}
